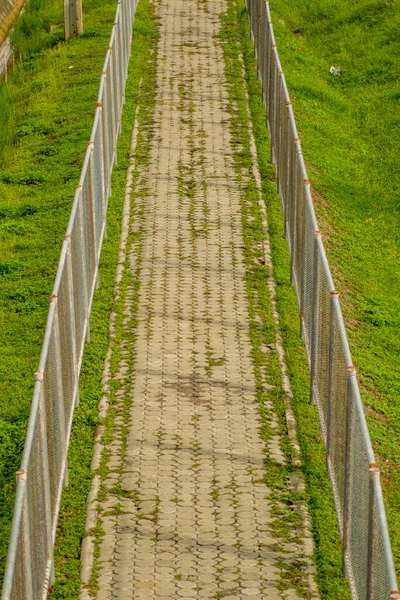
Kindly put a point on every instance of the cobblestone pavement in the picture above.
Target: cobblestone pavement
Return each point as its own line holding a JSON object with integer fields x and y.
{"x": 185, "y": 511}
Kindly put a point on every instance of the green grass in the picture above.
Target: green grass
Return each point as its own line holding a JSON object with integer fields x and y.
{"x": 46, "y": 115}
{"x": 349, "y": 128}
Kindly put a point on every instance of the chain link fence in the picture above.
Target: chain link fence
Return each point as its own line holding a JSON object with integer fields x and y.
{"x": 367, "y": 555}
{"x": 6, "y": 55}
{"x": 5, "y": 7}
{"x": 43, "y": 473}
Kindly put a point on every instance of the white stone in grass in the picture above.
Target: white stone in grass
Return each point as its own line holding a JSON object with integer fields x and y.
{"x": 334, "y": 70}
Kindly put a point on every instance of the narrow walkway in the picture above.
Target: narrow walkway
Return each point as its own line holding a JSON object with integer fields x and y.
{"x": 186, "y": 513}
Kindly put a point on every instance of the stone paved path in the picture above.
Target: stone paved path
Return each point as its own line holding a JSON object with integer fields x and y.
{"x": 186, "y": 512}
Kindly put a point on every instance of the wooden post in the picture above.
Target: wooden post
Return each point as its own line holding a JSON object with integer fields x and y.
{"x": 73, "y": 18}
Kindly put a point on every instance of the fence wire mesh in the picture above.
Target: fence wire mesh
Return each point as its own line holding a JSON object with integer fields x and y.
{"x": 43, "y": 473}
{"x": 367, "y": 555}
{"x": 6, "y": 57}
{"x": 5, "y": 7}
{"x": 6, "y": 54}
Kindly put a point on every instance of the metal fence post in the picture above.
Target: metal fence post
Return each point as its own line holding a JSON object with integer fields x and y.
{"x": 278, "y": 130}
{"x": 293, "y": 194}
{"x": 70, "y": 318}
{"x": 114, "y": 96}
{"x": 267, "y": 77}
{"x": 256, "y": 24}
{"x": 258, "y": 15}
{"x": 283, "y": 153}
{"x": 60, "y": 387}
{"x": 27, "y": 544}
{"x": 315, "y": 319}
{"x": 373, "y": 472}
{"x": 248, "y": 8}
{"x": 272, "y": 107}
{"x": 109, "y": 81}
{"x": 261, "y": 66}
{"x": 83, "y": 262}
{"x": 351, "y": 372}
{"x": 302, "y": 290}
{"x": 282, "y": 137}
{"x": 287, "y": 170}
{"x": 92, "y": 202}
{"x": 16, "y": 525}
{"x": 46, "y": 477}
{"x": 334, "y": 295}
{"x": 104, "y": 167}
{"x": 386, "y": 546}
{"x": 117, "y": 77}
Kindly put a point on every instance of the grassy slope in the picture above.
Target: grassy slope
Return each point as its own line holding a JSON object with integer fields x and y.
{"x": 46, "y": 114}
{"x": 351, "y": 144}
